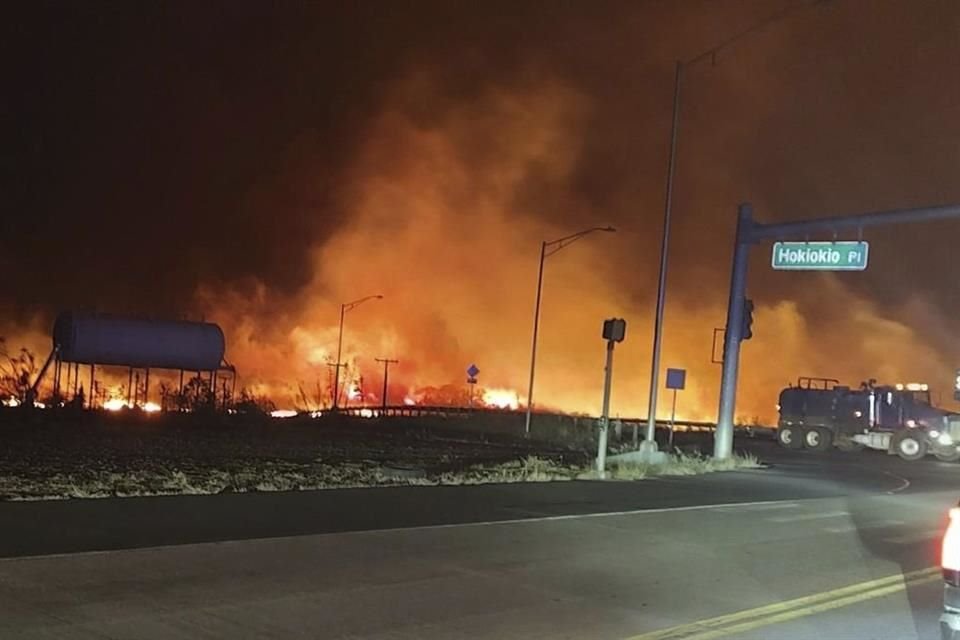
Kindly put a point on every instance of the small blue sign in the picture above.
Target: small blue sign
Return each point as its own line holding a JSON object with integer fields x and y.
{"x": 473, "y": 371}
{"x": 676, "y": 378}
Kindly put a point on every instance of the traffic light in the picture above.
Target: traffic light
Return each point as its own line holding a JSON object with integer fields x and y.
{"x": 614, "y": 329}
{"x": 747, "y": 331}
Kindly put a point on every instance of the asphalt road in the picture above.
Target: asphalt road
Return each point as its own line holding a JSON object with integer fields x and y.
{"x": 834, "y": 546}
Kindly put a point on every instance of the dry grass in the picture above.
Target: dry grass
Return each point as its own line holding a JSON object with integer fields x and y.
{"x": 290, "y": 476}
{"x": 263, "y": 477}
{"x": 682, "y": 464}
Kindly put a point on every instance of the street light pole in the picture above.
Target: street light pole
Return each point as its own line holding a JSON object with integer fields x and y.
{"x": 536, "y": 326}
{"x": 344, "y": 307}
{"x": 650, "y": 443}
{"x": 547, "y": 249}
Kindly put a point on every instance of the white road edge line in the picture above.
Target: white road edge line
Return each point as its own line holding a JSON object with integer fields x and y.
{"x": 861, "y": 527}
{"x": 425, "y": 527}
{"x": 811, "y": 516}
{"x": 761, "y": 507}
{"x": 912, "y": 538}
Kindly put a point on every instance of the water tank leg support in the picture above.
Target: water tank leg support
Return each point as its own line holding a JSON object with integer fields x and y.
{"x": 32, "y": 394}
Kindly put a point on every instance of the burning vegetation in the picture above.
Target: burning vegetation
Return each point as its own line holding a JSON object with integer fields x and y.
{"x": 440, "y": 203}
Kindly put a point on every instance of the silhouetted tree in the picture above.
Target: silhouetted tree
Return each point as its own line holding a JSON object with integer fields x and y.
{"x": 197, "y": 395}
{"x": 250, "y": 403}
{"x": 17, "y": 373}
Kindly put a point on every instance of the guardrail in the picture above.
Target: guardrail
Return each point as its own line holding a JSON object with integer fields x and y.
{"x": 416, "y": 411}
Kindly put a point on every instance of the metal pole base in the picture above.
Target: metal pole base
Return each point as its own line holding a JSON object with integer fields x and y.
{"x": 648, "y": 446}
{"x": 649, "y": 453}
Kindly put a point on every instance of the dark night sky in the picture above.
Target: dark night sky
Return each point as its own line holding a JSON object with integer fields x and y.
{"x": 156, "y": 143}
{"x": 149, "y": 148}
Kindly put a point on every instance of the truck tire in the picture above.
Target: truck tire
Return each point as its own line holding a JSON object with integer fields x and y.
{"x": 945, "y": 454}
{"x": 790, "y": 437}
{"x": 817, "y": 439}
{"x": 909, "y": 444}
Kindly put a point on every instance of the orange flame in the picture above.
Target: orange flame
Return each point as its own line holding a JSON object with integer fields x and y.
{"x": 501, "y": 399}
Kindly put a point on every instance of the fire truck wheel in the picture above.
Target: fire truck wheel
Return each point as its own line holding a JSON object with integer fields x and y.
{"x": 789, "y": 437}
{"x": 946, "y": 454}
{"x": 817, "y": 439}
{"x": 909, "y": 444}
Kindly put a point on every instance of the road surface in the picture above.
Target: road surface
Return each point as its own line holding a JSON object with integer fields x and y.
{"x": 829, "y": 546}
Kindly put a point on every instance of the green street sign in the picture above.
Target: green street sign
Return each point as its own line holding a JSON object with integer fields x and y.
{"x": 820, "y": 256}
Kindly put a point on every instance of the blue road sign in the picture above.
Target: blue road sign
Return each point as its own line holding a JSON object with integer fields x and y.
{"x": 676, "y": 378}
{"x": 473, "y": 371}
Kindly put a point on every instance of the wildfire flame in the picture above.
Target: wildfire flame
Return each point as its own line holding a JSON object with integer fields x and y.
{"x": 501, "y": 399}
{"x": 117, "y": 404}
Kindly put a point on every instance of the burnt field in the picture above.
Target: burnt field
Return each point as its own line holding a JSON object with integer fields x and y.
{"x": 47, "y": 454}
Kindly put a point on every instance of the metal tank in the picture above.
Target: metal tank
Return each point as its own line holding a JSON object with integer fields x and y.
{"x": 99, "y": 339}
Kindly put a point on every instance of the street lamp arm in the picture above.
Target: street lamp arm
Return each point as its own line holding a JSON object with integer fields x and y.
{"x": 347, "y": 306}
{"x": 758, "y": 26}
{"x": 553, "y": 246}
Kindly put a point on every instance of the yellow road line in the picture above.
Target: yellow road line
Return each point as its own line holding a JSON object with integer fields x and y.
{"x": 789, "y": 609}
{"x": 814, "y": 609}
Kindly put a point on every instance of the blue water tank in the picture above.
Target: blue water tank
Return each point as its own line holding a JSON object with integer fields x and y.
{"x": 90, "y": 338}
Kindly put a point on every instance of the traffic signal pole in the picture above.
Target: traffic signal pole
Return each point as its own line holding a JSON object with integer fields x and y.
{"x": 749, "y": 233}
{"x": 723, "y": 437}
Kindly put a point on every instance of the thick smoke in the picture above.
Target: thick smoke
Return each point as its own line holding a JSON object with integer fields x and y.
{"x": 434, "y": 223}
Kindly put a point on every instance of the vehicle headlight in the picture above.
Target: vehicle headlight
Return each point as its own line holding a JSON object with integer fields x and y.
{"x": 945, "y": 439}
{"x": 911, "y": 423}
{"x": 934, "y": 433}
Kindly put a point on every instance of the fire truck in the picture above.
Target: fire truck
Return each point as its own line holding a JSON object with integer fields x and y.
{"x": 820, "y": 413}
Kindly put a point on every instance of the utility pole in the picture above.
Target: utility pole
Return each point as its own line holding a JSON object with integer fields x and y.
{"x": 386, "y": 371}
{"x": 335, "y": 384}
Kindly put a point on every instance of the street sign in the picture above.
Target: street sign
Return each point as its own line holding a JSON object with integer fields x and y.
{"x": 471, "y": 380}
{"x": 847, "y": 255}
{"x": 472, "y": 371}
{"x": 676, "y": 378}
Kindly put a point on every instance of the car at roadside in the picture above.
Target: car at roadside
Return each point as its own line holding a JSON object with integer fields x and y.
{"x": 950, "y": 565}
